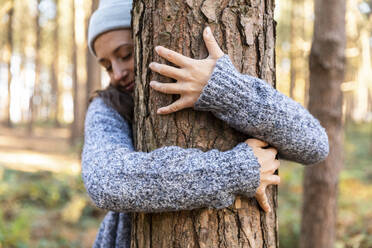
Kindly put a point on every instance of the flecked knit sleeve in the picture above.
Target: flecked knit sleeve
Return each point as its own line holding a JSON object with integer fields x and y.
{"x": 170, "y": 178}
{"x": 254, "y": 107}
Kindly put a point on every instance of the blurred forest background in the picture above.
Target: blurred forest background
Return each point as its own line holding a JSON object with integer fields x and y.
{"x": 47, "y": 75}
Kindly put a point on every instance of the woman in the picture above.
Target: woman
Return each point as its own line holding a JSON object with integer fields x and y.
{"x": 121, "y": 180}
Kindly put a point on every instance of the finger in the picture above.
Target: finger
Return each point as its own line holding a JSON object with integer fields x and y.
{"x": 168, "y": 71}
{"x": 211, "y": 44}
{"x": 270, "y": 166}
{"x": 263, "y": 201}
{"x": 273, "y": 179}
{"x": 174, "y": 107}
{"x": 256, "y": 143}
{"x": 273, "y": 151}
{"x": 168, "y": 88}
{"x": 276, "y": 164}
{"x": 172, "y": 56}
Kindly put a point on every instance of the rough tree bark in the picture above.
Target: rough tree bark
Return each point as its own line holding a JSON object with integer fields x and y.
{"x": 246, "y": 31}
{"x": 327, "y": 65}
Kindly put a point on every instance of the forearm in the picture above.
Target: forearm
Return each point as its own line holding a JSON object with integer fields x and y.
{"x": 169, "y": 178}
{"x": 253, "y": 107}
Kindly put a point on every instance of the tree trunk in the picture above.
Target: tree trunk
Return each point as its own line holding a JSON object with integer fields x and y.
{"x": 296, "y": 53}
{"x": 9, "y": 50}
{"x": 78, "y": 75}
{"x": 34, "y": 100}
{"x": 75, "y": 124}
{"x": 55, "y": 70}
{"x": 327, "y": 65}
{"x": 246, "y": 31}
{"x": 93, "y": 68}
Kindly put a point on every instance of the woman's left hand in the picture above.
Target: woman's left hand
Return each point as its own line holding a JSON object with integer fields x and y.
{"x": 191, "y": 77}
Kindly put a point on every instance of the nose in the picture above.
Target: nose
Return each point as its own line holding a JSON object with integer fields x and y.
{"x": 119, "y": 73}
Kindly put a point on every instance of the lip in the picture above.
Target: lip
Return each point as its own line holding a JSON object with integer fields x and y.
{"x": 130, "y": 86}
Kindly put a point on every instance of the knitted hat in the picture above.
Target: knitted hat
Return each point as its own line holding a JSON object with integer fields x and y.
{"x": 110, "y": 15}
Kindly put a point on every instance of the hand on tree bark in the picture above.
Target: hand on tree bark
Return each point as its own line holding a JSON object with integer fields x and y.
{"x": 191, "y": 77}
{"x": 266, "y": 158}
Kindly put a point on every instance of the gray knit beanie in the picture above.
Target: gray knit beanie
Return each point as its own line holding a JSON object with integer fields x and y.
{"x": 110, "y": 15}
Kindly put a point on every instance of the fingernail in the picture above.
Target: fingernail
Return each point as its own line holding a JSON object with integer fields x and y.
{"x": 157, "y": 49}
{"x": 159, "y": 111}
{"x": 268, "y": 208}
{"x": 152, "y": 65}
{"x": 208, "y": 29}
{"x": 152, "y": 83}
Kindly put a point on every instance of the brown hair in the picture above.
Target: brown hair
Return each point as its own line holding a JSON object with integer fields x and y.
{"x": 121, "y": 101}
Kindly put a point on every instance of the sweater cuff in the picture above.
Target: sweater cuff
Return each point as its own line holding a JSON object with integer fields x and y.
{"x": 223, "y": 89}
{"x": 249, "y": 170}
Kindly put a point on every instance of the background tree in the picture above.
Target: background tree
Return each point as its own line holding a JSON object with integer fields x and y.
{"x": 297, "y": 36}
{"x": 247, "y": 33}
{"x": 35, "y": 98}
{"x": 75, "y": 94}
{"x": 93, "y": 68}
{"x": 327, "y": 65}
{"x": 80, "y": 73}
{"x": 54, "y": 69}
{"x": 8, "y": 57}
{"x": 79, "y": 76}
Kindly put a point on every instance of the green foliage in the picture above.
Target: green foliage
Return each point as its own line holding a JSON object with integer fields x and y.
{"x": 35, "y": 188}
{"x": 290, "y": 197}
{"x": 358, "y": 150}
{"x": 35, "y": 205}
{"x": 14, "y": 230}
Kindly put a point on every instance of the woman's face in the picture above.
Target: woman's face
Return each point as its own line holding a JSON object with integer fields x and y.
{"x": 115, "y": 53}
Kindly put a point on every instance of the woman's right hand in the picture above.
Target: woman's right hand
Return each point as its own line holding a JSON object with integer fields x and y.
{"x": 266, "y": 158}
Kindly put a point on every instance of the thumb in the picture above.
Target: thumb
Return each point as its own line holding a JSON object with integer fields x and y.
{"x": 256, "y": 143}
{"x": 214, "y": 49}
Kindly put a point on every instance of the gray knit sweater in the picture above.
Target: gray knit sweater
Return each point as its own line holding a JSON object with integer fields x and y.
{"x": 122, "y": 180}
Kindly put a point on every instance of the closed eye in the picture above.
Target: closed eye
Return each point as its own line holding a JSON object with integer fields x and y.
{"x": 127, "y": 57}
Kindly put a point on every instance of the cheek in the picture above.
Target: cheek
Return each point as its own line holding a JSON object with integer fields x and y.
{"x": 131, "y": 64}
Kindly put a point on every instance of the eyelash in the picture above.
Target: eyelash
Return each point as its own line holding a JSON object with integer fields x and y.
{"x": 127, "y": 57}
{"x": 109, "y": 69}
